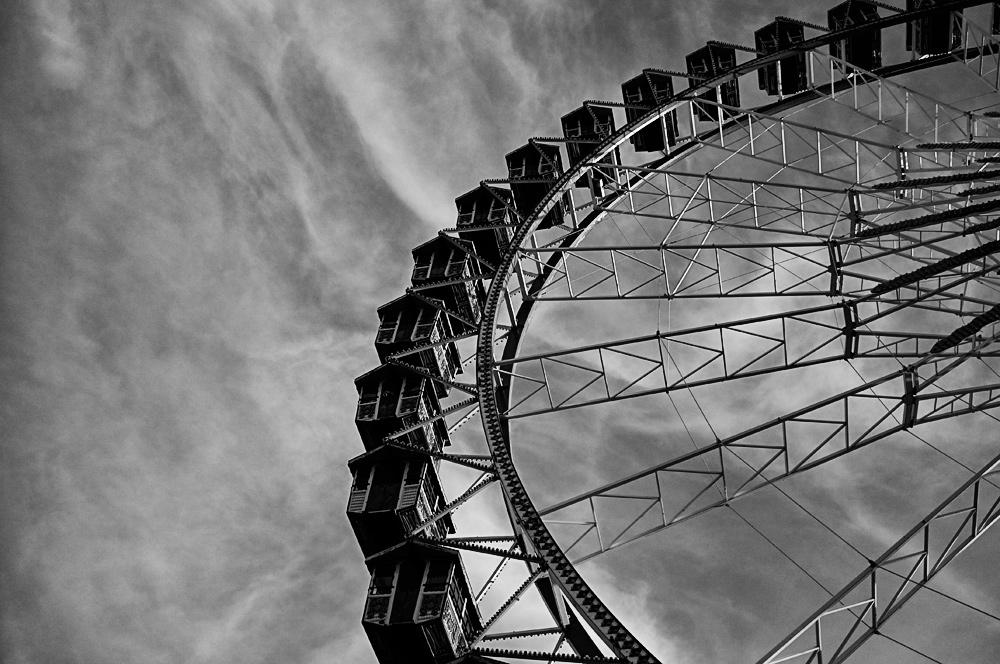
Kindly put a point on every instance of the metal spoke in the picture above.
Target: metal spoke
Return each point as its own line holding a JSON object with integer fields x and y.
{"x": 666, "y": 361}
{"x": 798, "y": 441}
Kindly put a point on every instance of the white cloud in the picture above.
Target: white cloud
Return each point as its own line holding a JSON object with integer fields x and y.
{"x": 64, "y": 56}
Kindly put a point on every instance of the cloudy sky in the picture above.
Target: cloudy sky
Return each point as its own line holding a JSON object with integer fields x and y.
{"x": 201, "y": 206}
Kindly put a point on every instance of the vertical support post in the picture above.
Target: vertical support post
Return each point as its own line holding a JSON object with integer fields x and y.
{"x": 906, "y": 112}
{"x": 753, "y": 199}
{"x": 670, "y": 197}
{"x": 819, "y": 152}
{"x": 718, "y": 116}
{"x": 857, "y": 162}
{"x": 784, "y": 151}
{"x": 802, "y": 211}
{"x": 874, "y": 588}
{"x": 819, "y": 642}
{"x": 880, "y": 100}
{"x": 982, "y": 59}
{"x": 927, "y": 549}
{"x": 565, "y": 265}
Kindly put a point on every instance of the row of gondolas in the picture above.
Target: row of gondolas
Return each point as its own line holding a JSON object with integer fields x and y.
{"x": 420, "y": 605}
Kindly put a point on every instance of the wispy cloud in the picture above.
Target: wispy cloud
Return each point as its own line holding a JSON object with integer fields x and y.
{"x": 202, "y": 205}
{"x": 186, "y": 297}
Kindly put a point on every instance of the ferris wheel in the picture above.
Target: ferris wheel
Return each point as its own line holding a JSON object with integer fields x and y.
{"x": 690, "y": 297}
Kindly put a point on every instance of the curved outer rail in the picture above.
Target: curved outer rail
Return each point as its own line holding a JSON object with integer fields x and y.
{"x": 492, "y": 393}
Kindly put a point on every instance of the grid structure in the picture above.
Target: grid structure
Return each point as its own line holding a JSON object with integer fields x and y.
{"x": 852, "y": 217}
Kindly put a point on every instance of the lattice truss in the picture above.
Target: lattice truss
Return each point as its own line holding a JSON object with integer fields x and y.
{"x": 848, "y": 235}
{"x": 869, "y": 600}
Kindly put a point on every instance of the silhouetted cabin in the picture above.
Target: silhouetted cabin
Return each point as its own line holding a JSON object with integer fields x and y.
{"x": 450, "y": 262}
{"x": 590, "y": 124}
{"x": 540, "y": 165}
{"x": 788, "y": 75}
{"x": 934, "y": 33}
{"x": 409, "y": 321}
{"x": 708, "y": 62}
{"x": 643, "y": 93}
{"x": 491, "y": 207}
{"x": 394, "y": 490}
{"x": 391, "y": 398}
{"x": 862, "y": 50}
{"x": 420, "y": 608}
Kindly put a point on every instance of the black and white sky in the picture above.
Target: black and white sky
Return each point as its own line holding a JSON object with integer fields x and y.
{"x": 202, "y": 203}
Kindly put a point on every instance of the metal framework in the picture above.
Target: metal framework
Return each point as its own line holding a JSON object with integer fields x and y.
{"x": 846, "y": 232}
{"x": 868, "y": 601}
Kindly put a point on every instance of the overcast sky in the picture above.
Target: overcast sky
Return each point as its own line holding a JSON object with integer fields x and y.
{"x": 202, "y": 203}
